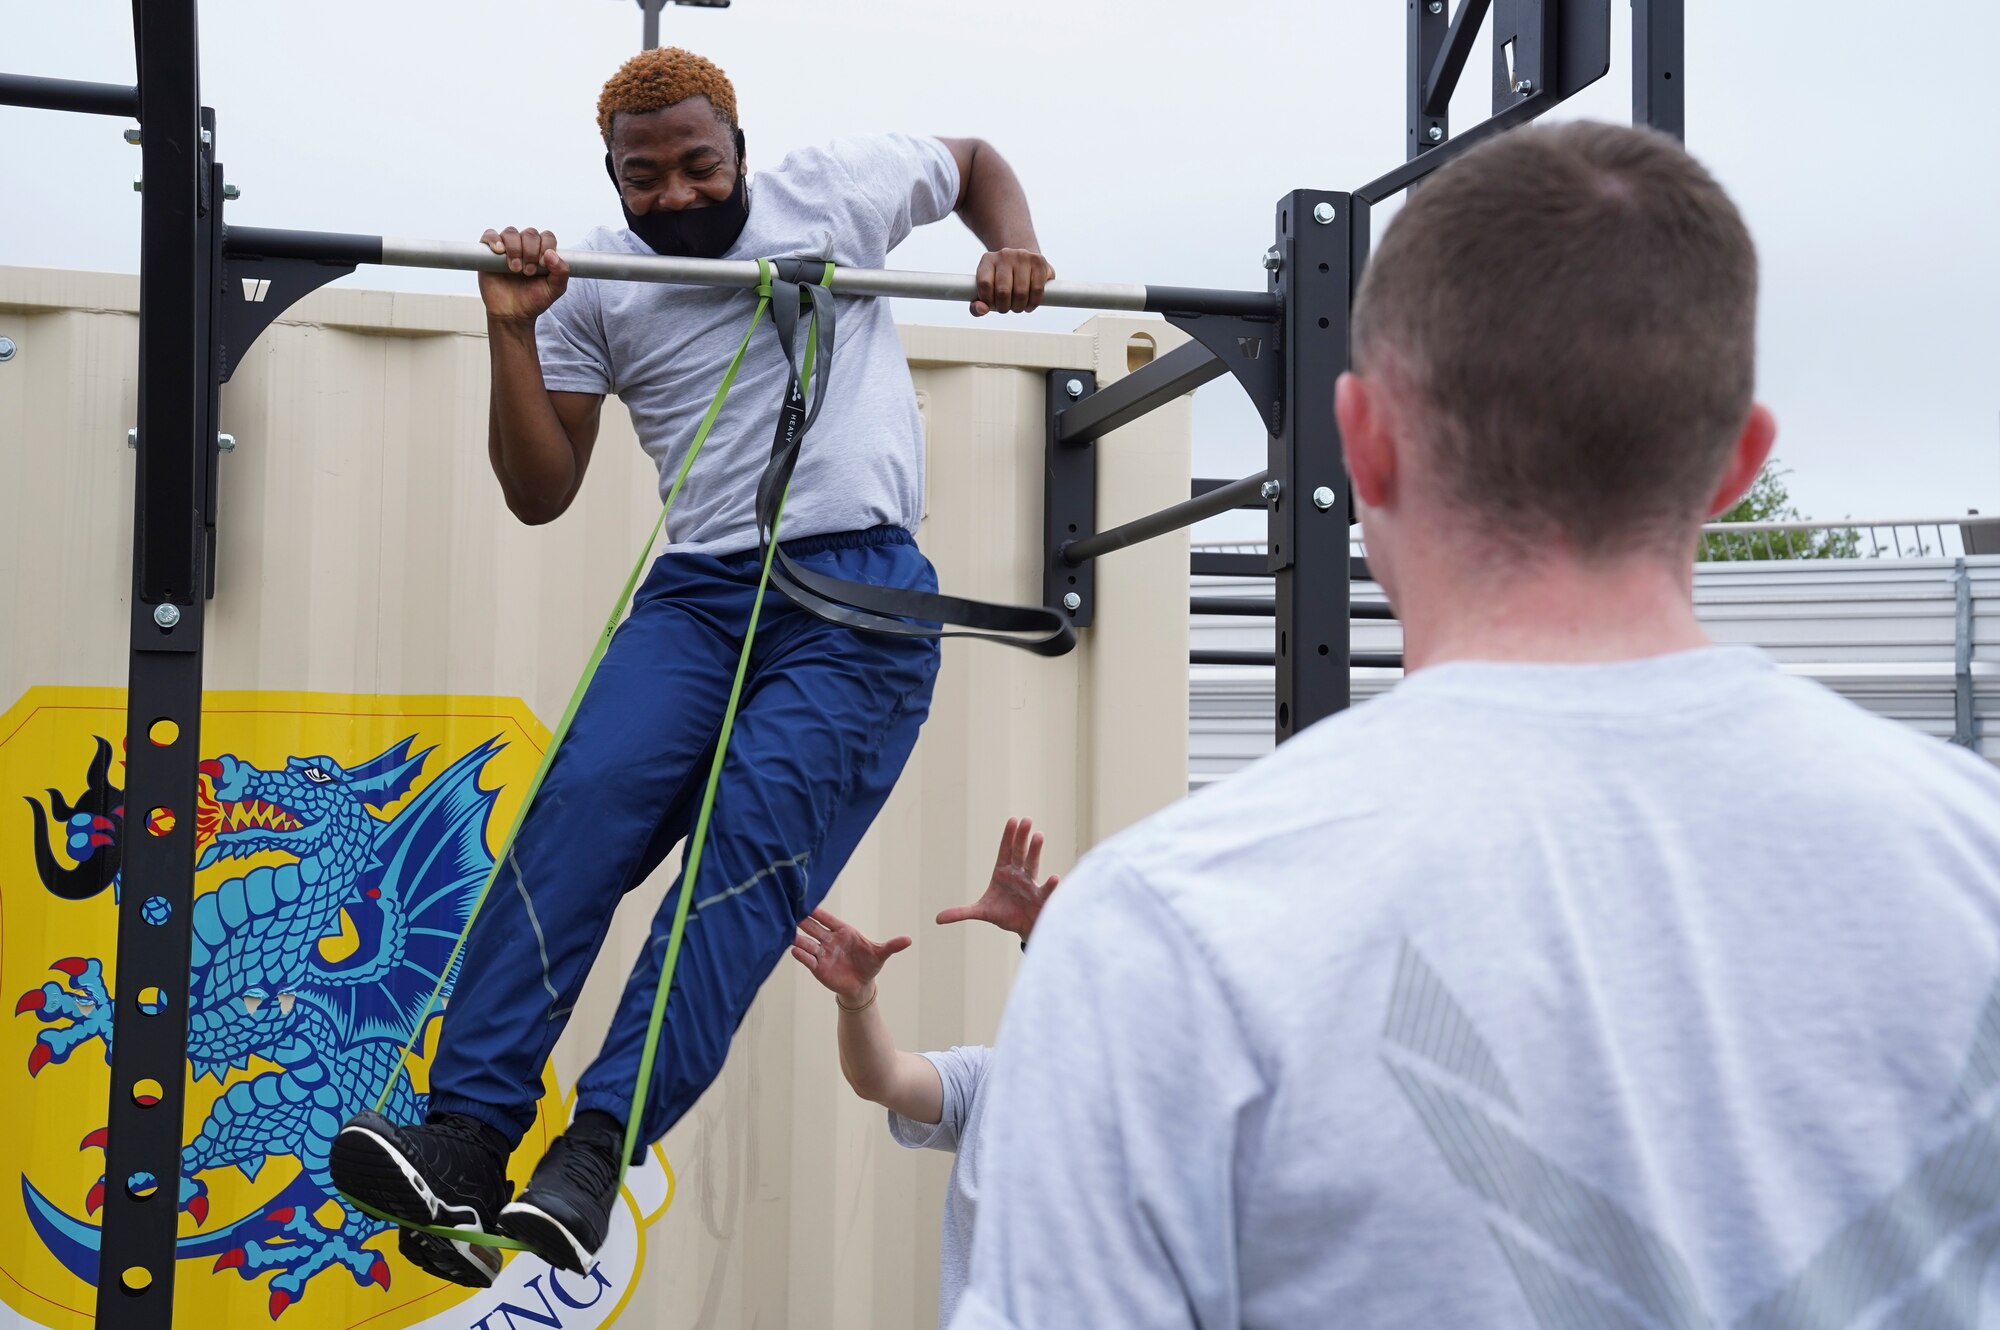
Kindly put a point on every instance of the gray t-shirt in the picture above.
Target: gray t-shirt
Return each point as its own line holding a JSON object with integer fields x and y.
{"x": 1656, "y": 994}
{"x": 663, "y": 350}
{"x": 963, "y": 1071}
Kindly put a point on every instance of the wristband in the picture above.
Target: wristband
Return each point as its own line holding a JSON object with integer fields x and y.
{"x": 852, "y": 1011}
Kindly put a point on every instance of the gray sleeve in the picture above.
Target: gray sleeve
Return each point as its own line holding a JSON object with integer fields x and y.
{"x": 906, "y": 180}
{"x": 570, "y": 340}
{"x": 1111, "y": 1128}
{"x": 963, "y": 1072}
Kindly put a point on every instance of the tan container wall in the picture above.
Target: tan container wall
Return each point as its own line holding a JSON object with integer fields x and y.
{"x": 364, "y": 549}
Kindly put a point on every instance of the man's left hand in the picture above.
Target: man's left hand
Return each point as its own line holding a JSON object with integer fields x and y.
{"x": 1013, "y": 899}
{"x": 1011, "y": 281}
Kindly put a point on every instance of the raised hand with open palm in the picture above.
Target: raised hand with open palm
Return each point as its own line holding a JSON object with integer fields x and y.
{"x": 1013, "y": 900}
{"x": 841, "y": 956}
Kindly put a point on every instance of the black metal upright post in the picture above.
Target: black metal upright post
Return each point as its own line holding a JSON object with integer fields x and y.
{"x": 1429, "y": 22}
{"x": 177, "y": 393}
{"x": 1322, "y": 241}
{"x": 1659, "y": 84}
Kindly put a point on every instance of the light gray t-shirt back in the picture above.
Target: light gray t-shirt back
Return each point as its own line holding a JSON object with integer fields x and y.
{"x": 1654, "y": 994}
{"x": 963, "y": 1071}
{"x": 663, "y": 350}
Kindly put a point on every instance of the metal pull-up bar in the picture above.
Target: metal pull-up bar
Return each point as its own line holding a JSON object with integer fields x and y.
{"x": 1185, "y": 513}
{"x": 250, "y": 242}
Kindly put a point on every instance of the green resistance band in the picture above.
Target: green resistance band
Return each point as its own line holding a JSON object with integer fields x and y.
{"x": 696, "y": 843}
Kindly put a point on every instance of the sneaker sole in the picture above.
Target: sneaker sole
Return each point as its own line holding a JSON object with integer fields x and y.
{"x": 546, "y": 1236}
{"x": 464, "y": 1263}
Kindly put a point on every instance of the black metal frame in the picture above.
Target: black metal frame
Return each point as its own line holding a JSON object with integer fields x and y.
{"x": 202, "y": 304}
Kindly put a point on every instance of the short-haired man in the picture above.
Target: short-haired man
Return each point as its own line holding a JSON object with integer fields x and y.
{"x": 1598, "y": 975}
{"x": 829, "y": 713}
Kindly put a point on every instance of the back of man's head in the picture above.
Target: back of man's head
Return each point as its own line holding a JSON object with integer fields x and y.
{"x": 1569, "y": 313}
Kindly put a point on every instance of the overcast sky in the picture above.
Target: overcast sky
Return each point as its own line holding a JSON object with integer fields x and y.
{"x": 1860, "y": 139}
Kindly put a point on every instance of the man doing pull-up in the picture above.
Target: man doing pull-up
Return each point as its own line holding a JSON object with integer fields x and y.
{"x": 829, "y": 714}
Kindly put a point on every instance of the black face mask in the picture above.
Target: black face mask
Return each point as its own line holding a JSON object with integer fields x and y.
{"x": 691, "y": 233}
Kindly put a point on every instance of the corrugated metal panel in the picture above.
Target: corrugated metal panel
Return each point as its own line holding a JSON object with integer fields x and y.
{"x": 366, "y": 559}
{"x": 1880, "y": 632}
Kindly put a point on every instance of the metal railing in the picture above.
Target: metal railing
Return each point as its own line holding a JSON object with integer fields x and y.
{"x": 1746, "y": 542}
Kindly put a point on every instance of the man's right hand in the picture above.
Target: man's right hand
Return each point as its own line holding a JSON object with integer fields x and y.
{"x": 841, "y": 957}
{"x": 538, "y": 276}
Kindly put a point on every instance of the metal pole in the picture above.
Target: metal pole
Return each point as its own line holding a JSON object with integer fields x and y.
{"x": 135, "y": 1282}
{"x": 1659, "y": 81}
{"x": 469, "y": 256}
{"x": 651, "y": 8}
{"x": 1183, "y": 514}
{"x": 1323, "y": 238}
{"x": 68, "y": 95}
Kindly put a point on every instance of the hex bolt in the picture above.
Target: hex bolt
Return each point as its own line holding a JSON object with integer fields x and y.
{"x": 1271, "y": 490}
{"x": 1072, "y": 602}
{"x": 167, "y": 615}
{"x": 1273, "y": 260}
{"x": 231, "y": 192}
{"x": 1322, "y": 498}
{"x": 132, "y": 137}
{"x": 1435, "y": 133}
{"x": 1074, "y": 387}
{"x": 207, "y": 139}
{"x": 225, "y": 443}
{"x": 1524, "y": 86}
{"x": 7, "y": 349}
{"x": 132, "y": 437}
{"x": 1435, "y": 6}
{"x": 138, "y": 184}
{"x": 1323, "y": 213}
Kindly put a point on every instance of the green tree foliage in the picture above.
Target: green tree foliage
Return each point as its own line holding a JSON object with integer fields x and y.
{"x": 1770, "y": 500}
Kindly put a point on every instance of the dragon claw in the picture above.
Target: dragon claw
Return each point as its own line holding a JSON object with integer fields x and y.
{"x": 38, "y": 1057}
{"x": 283, "y": 1216}
{"x": 229, "y": 1260}
{"x": 379, "y": 1272}
{"x": 198, "y": 1207}
{"x": 98, "y": 1138}
{"x": 30, "y": 1001}
{"x": 95, "y": 1201}
{"x": 279, "y": 1301}
{"x": 71, "y": 966}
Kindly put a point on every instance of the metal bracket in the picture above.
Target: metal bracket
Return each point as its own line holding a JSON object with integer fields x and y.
{"x": 255, "y": 291}
{"x": 1249, "y": 350}
{"x": 1069, "y": 502}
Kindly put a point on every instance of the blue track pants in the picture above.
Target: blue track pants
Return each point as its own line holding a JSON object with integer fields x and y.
{"x": 827, "y": 720}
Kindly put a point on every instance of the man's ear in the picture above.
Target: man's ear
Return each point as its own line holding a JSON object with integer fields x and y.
{"x": 1746, "y": 460}
{"x": 1361, "y": 412}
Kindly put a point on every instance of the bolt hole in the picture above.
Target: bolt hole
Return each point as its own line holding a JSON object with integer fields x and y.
{"x": 1282, "y": 644}
{"x": 1072, "y": 528}
{"x": 152, "y": 1000}
{"x": 1072, "y": 581}
{"x": 148, "y": 1092}
{"x": 1322, "y": 649}
{"x": 1324, "y": 268}
{"x": 1325, "y": 323}
{"x": 136, "y": 1279}
{"x": 160, "y": 822}
{"x": 163, "y": 733}
{"x": 1284, "y": 716}
{"x": 140, "y": 1186}
{"x": 1670, "y": 75}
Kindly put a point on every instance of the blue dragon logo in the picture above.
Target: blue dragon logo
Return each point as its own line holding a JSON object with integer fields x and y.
{"x": 397, "y": 890}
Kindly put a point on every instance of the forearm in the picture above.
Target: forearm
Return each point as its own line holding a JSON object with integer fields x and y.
{"x": 532, "y": 454}
{"x": 993, "y": 205}
{"x": 880, "y": 1072}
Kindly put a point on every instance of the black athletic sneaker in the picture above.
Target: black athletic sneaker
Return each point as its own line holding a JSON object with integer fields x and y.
{"x": 564, "y": 1214}
{"x": 451, "y": 1172}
